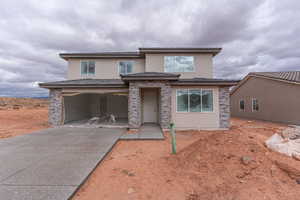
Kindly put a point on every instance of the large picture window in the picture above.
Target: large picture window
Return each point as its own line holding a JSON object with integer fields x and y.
{"x": 179, "y": 64}
{"x": 87, "y": 67}
{"x": 125, "y": 67}
{"x": 194, "y": 100}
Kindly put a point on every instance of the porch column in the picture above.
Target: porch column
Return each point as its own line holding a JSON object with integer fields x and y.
{"x": 165, "y": 106}
{"x": 224, "y": 106}
{"x": 55, "y": 107}
{"x": 134, "y": 106}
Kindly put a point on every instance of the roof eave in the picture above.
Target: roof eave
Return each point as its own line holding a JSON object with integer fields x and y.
{"x": 48, "y": 86}
{"x": 213, "y": 51}
{"x": 147, "y": 78}
{"x": 204, "y": 83}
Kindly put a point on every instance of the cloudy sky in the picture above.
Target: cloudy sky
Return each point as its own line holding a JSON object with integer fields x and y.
{"x": 256, "y": 35}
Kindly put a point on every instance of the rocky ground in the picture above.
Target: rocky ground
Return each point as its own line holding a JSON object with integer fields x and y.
{"x": 212, "y": 165}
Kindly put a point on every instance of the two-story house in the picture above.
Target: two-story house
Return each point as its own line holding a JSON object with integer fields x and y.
{"x": 152, "y": 85}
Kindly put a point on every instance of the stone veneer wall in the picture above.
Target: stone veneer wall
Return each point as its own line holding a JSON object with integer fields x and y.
{"x": 134, "y": 102}
{"x": 224, "y": 107}
{"x": 55, "y": 107}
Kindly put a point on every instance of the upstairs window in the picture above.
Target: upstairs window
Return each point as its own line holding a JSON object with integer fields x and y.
{"x": 194, "y": 100}
{"x": 255, "y": 106}
{"x": 125, "y": 67}
{"x": 242, "y": 105}
{"x": 87, "y": 68}
{"x": 179, "y": 64}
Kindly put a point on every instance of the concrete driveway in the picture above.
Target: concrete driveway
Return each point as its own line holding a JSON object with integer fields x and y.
{"x": 51, "y": 164}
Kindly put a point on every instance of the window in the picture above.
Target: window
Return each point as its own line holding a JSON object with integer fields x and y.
{"x": 179, "y": 63}
{"x": 87, "y": 67}
{"x": 242, "y": 105}
{"x": 255, "y": 106}
{"x": 194, "y": 100}
{"x": 125, "y": 67}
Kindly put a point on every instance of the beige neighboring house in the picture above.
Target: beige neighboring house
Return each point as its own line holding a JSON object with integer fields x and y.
{"x": 152, "y": 85}
{"x": 271, "y": 96}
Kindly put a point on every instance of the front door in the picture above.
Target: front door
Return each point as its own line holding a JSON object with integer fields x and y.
{"x": 150, "y": 106}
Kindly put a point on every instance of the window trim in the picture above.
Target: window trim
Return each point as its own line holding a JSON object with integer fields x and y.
{"x": 87, "y": 75}
{"x": 253, "y": 104}
{"x": 240, "y": 105}
{"x": 184, "y": 112}
{"x": 194, "y": 68}
{"x": 118, "y": 65}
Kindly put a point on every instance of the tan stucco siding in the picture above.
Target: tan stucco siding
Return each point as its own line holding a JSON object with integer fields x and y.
{"x": 105, "y": 68}
{"x": 196, "y": 120}
{"x": 203, "y": 64}
{"x": 278, "y": 101}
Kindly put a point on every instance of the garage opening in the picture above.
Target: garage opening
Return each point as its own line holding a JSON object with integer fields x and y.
{"x": 100, "y": 110}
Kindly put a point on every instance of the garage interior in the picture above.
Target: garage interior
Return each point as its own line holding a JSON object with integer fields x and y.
{"x": 100, "y": 110}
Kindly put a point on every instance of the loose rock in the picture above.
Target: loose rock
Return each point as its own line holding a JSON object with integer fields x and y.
{"x": 246, "y": 160}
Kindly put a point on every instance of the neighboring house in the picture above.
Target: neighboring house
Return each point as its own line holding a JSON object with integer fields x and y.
{"x": 153, "y": 85}
{"x": 271, "y": 96}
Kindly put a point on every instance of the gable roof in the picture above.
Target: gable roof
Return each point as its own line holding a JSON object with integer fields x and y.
{"x": 140, "y": 53}
{"x": 292, "y": 77}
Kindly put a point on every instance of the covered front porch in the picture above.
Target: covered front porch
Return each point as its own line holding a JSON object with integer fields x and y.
{"x": 149, "y": 99}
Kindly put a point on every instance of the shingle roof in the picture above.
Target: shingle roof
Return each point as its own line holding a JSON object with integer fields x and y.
{"x": 293, "y": 76}
{"x": 85, "y": 83}
{"x": 150, "y": 76}
{"x": 205, "y": 81}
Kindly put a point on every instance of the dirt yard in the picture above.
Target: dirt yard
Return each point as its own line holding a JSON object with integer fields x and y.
{"x": 19, "y": 116}
{"x": 210, "y": 165}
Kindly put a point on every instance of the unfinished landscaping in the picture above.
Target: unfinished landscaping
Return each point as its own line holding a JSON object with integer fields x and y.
{"x": 232, "y": 164}
{"x": 218, "y": 165}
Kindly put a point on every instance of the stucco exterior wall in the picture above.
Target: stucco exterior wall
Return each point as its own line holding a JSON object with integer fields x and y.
{"x": 203, "y": 64}
{"x": 105, "y": 68}
{"x": 108, "y": 68}
{"x": 278, "y": 101}
{"x": 196, "y": 120}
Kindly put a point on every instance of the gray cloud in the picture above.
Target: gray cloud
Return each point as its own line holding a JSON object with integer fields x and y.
{"x": 258, "y": 35}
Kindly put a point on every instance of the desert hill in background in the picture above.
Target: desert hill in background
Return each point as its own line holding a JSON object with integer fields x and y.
{"x": 8, "y": 103}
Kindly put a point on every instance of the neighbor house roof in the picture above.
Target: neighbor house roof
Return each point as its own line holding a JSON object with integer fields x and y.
{"x": 84, "y": 83}
{"x": 288, "y": 77}
{"x": 150, "y": 76}
{"x": 139, "y": 54}
{"x": 293, "y": 76}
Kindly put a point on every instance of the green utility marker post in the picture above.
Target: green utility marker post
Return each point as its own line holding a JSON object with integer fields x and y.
{"x": 173, "y": 137}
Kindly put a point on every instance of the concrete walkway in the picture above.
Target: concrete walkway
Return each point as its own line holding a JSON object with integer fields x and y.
{"x": 53, "y": 163}
{"x": 146, "y": 132}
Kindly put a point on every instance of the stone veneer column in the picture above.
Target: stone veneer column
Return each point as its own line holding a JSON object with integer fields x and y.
{"x": 55, "y": 107}
{"x": 134, "y": 106}
{"x": 165, "y": 106}
{"x": 224, "y": 106}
